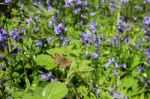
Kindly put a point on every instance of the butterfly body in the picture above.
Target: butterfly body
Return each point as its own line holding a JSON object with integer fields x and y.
{"x": 62, "y": 61}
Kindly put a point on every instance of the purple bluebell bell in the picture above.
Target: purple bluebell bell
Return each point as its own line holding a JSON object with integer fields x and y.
{"x": 140, "y": 69}
{"x": 14, "y": 34}
{"x": 114, "y": 5}
{"x": 102, "y": 1}
{"x": 146, "y": 21}
{"x": 123, "y": 66}
{"x": 68, "y": 3}
{"x": 97, "y": 41}
{"x": 50, "y": 8}
{"x": 124, "y": 1}
{"x": 44, "y": 76}
{"x": 3, "y": 35}
{"x": 29, "y": 20}
{"x": 115, "y": 41}
{"x": 65, "y": 42}
{"x": 110, "y": 61}
{"x": 95, "y": 55}
{"x": 148, "y": 1}
{"x": 78, "y": 2}
{"x": 116, "y": 65}
{"x": 50, "y": 77}
{"x": 76, "y": 11}
{"x": 38, "y": 4}
{"x": 116, "y": 72}
{"x": 39, "y": 43}
{"x": 2, "y": 58}
{"x": 8, "y": 1}
{"x": 147, "y": 53}
{"x": 87, "y": 38}
{"x": 93, "y": 26}
{"x": 138, "y": 8}
{"x": 117, "y": 96}
{"x": 120, "y": 27}
{"x": 92, "y": 14}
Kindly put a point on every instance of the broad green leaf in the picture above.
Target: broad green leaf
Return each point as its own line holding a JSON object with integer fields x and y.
{"x": 45, "y": 60}
{"x": 55, "y": 90}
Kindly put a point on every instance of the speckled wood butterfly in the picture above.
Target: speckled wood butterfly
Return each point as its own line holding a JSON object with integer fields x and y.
{"x": 62, "y": 61}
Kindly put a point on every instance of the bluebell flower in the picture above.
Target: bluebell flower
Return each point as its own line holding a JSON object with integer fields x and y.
{"x": 116, "y": 65}
{"x": 78, "y": 2}
{"x": 2, "y": 58}
{"x": 39, "y": 43}
{"x": 87, "y": 38}
{"x": 68, "y": 3}
{"x": 8, "y": 1}
{"x": 114, "y": 5}
{"x": 76, "y": 11}
{"x": 117, "y": 96}
{"x": 120, "y": 26}
{"x": 110, "y": 61}
{"x": 124, "y": 1}
{"x": 148, "y": 53}
{"x": 50, "y": 8}
{"x": 146, "y": 21}
{"x": 29, "y": 20}
{"x": 123, "y": 66}
{"x": 138, "y": 8}
{"x": 102, "y": 1}
{"x": 44, "y": 76}
{"x": 65, "y": 42}
{"x": 93, "y": 26}
{"x": 115, "y": 41}
{"x": 97, "y": 41}
{"x": 148, "y": 1}
{"x": 92, "y": 14}
{"x": 116, "y": 72}
{"x": 95, "y": 55}
{"x": 140, "y": 69}
{"x": 38, "y": 4}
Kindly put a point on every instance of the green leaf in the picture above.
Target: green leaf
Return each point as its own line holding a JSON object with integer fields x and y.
{"x": 45, "y": 60}
{"x": 55, "y": 90}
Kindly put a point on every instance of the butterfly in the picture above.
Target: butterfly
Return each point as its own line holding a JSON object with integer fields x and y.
{"x": 62, "y": 61}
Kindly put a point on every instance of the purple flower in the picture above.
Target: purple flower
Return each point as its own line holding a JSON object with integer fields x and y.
{"x": 78, "y": 2}
{"x": 75, "y": 11}
{"x": 38, "y": 4}
{"x": 50, "y": 8}
{"x": 65, "y": 42}
{"x": 97, "y": 41}
{"x": 39, "y": 43}
{"x": 29, "y": 20}
{"x": 124, "y": 1}
{"x": 114, "y": 5}
{"x": 116, "y": 65}
{"x": 14, "y": 34}
{"x": 102, "y": 1}
{"x": 87, "y": 38}
{"x": 95, "y": 55}
{"x": 92, "y": 14}
{"x": 148, "y": 53}
{"x": 148, "y": 1}
{"x": 120, "y": 26}
{"x": 138, "y": 8}
{"x": 116, "y": 73}
{"x": 117, "y": 96}
{"x": 115, "y": 40}
{"x": 146, "y": 21}
{"x": 68, "y": 3}
{"x": 93, "y": 26}
{"x": 44, "y": 76}
{"x": 110, "y": 61}
{"x": 123, "y": 66}
{"x": 2, "y": 58}
{"x": 8, "y": 1}
{"x": 140, "y": 70}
